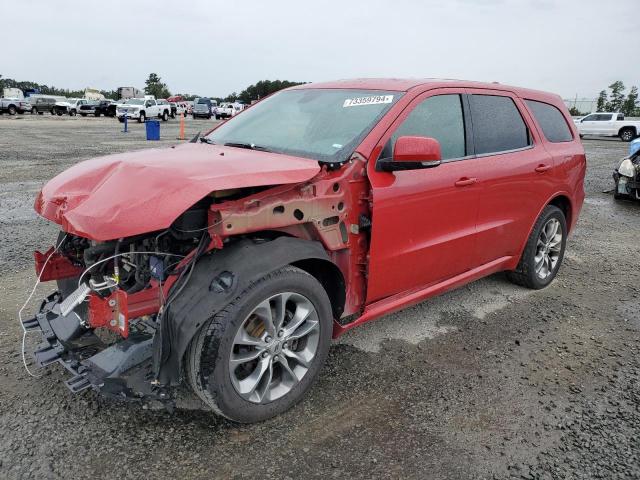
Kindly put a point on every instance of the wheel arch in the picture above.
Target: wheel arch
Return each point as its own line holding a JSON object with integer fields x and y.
{"x": 562, "y": 200}
{"x": 221, "y": 276}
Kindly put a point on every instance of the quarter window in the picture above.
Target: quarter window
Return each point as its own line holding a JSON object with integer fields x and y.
{"x": 553, "y": 124}
{"x": 497, "y": 125}
{"x": 438, "y": 117}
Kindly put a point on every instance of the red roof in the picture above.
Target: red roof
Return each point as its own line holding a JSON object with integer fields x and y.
{"x": 405, "y": 84}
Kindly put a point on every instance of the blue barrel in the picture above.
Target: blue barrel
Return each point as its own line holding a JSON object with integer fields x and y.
{"x": 634, "y": 147}
{"x": 153, "y": 129}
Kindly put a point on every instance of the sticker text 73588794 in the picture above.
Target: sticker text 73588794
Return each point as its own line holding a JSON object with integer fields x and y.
{"x": 372, "y": 100}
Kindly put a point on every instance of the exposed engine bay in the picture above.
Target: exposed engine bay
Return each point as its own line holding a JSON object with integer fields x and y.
{"x": 113, "y": 323}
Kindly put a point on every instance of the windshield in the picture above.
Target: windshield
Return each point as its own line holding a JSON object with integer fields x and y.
{"x": 322, "y": 124}
{"x": 135, "y": 101}
{"x": 203, "y": 100}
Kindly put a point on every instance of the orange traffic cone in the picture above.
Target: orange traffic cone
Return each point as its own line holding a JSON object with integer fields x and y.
{"x": 181, "y": 137}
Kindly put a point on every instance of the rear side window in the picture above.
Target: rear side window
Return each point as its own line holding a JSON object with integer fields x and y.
{"x": 438, "y": 117}
{"x": 497, "y": 124}
{"x": 551, "y": 120}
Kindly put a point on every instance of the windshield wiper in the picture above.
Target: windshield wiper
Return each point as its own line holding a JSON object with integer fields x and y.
{"x": 249, "y": 146}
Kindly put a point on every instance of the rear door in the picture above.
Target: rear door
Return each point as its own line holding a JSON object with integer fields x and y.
{"x": 424, "y": 221}
{"x": 517, "y": 172}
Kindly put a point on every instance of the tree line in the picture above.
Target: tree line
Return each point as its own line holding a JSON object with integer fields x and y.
{"x": 156, "y": 87}
{"x": 50, "y": 90}
{"x": 615, "y": 100}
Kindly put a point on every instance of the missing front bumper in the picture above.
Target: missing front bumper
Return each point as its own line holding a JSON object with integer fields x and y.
{"x": 122, "y": 370}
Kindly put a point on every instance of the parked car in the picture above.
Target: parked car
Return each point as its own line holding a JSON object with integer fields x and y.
{"x": 14, "y": 105}
{"x": 70, "y": 106}
{"x": 607, "y": 124}
{"x": 90, "y": 107}
{"x": 224, "y": 110}
{"x": 40, "y": 105}
{"x": 231, "y": 262}
{"x": 203, "y": 107}
{"x": 627, "y": 174}
{"x": 182, "y": 108}
{"x": 106, "y": 108}
{"x": 141, "y": 109}
{"x": 172, "y": 107}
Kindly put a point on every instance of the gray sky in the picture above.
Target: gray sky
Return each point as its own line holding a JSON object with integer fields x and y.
{"x": 215, "y": 47}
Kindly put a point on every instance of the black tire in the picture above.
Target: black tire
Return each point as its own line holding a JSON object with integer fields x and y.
{"x": 627, "y": 134}
{"x": 12, "y": 110}
{"x": 72, "y": 113}
{"x": 59, "y": 113}
{"x": 40, "y": 113}
{"x": 142, "y": 118}
{"x": 96, "y": 114}
{"x": 34, "y": 110}
{"x": 194, "y": 116}
{"x": 217, "y": 117}
{"x": 207, "y": 359}
{"x": 209, "y": 117}
{"x": 165, "y": 116}
{"x": 525, "y": 274}
{"x": 83, "y": 114}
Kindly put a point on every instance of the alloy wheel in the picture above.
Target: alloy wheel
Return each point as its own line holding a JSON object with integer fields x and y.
{"x": 274, "y": 347}
{"x": 548, "y": 248}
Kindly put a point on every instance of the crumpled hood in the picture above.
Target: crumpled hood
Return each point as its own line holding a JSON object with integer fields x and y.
{"x": 138, "y": 192}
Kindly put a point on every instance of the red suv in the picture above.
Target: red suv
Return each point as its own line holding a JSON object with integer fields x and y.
{"x": 231, "y": 261}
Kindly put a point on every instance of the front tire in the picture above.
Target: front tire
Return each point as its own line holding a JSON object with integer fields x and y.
{"x": 544, "y": 251}
{"x": 165, "y": 116}
{"x": 12, "y": 110}
{"x": 142, "y": 118}
{"x": 259, "y": 355}
{"x": 34, "y": 110}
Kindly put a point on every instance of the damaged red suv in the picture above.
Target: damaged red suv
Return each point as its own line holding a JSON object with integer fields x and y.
{"x": 231, "y": 261}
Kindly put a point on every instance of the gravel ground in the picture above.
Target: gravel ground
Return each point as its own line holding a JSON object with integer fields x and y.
{"x": 489, "y": 381}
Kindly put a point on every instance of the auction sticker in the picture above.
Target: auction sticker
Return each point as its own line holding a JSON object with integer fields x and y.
{"x": 373, "y": 100}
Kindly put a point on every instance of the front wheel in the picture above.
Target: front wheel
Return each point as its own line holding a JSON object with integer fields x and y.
{"x": 165, "y": 116}
{"x": 142, "y": 117}
{"x": 544, "y": 251}
{"x": 34, "y": 110}
{"x": 259, "y": 355}
{"x": 12, "y": 110}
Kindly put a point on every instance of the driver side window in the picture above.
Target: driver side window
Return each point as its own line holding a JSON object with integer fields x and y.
{"x": 438, "y": 117}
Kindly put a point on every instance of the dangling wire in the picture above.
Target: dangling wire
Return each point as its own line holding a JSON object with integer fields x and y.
{"x": 24, "y": 330}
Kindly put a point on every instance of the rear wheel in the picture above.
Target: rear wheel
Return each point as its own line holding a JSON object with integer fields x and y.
{"x": 544, "y": 251}
{"x": 259, "y": 355}
{"x": 12, "y": 110}
{"x": 627, "y": 134}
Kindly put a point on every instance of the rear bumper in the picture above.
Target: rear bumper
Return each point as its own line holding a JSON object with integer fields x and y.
{"x": 122, "y": 370}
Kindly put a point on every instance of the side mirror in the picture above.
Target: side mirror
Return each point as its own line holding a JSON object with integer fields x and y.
{"x": 412, "y": 153}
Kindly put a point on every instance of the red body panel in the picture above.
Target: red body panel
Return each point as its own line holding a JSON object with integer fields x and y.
{"x": 431, "y": 229}
{"x": 138, "y": 192}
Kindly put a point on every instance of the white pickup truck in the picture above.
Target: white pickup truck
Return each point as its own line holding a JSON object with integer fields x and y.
{"x": 607, "y": 124}
{"x": 143, "y": 108}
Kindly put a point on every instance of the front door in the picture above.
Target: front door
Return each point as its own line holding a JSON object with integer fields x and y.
{"x": 424, "y": 221}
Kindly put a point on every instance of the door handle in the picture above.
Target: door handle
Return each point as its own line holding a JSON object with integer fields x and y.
{"x": 464, "y": 181}
{"x": 542, "y": 168}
